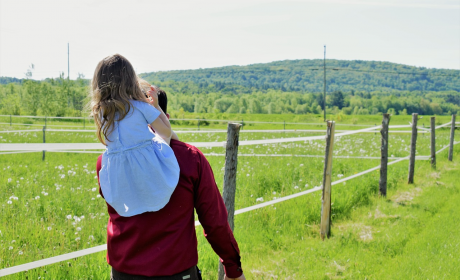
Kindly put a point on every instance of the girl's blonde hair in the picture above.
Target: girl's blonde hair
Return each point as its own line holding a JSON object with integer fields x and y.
{"x": 114, "y": 84}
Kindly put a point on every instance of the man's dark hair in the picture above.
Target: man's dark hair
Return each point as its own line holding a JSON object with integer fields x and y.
{"x": 163, "y": 100}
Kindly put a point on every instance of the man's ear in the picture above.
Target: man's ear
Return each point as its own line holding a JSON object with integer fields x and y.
{"x": 167, "y": 115}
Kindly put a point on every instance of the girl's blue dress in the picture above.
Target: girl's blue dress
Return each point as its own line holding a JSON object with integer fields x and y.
{"x": 139, "y": 170}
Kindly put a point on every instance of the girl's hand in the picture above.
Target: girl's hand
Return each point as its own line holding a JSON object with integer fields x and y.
{"x": 153, "y": 96}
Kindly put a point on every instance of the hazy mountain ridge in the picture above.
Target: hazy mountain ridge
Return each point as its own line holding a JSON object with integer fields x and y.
{"x": 307, "y": 76}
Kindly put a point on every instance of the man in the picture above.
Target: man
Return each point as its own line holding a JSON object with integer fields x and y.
{"x": 163, "y": 243}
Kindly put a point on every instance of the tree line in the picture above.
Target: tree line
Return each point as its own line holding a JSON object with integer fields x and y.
{"x": 271, "y": 88}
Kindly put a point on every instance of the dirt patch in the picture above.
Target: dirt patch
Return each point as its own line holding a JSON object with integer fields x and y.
{"x": 366, "y": 233}
{"x": 379, "y": 215}
{"x": 362, "y": 231}
{"x": 404, "y": 197}
{"x": 265, "y": 274}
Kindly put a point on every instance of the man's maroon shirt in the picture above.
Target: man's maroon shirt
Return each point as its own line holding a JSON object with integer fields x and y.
{"x": 164, "y": 243}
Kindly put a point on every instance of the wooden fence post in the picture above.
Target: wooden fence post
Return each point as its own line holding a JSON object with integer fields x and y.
{"x": 327, "y": 180}
{"x": 384, "y": 155}
{"x": 433, "y": 142}
{"x": 413, "y": 144}
{"x": 44, "y": 141}
{"x": 231, "y": 161}
{"x": 452, "y": 134}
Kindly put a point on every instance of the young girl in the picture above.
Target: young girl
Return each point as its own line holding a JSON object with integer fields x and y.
{"x": 139, "y": 170}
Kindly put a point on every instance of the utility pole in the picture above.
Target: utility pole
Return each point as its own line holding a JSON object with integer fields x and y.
{"x": 324, "y": 66}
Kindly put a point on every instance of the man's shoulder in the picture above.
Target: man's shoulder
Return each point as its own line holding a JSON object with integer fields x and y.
{"x": 184, "y": 148}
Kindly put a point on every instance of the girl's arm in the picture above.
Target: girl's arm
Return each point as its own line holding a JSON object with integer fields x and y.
{"x": 161, "y": 124}
{"x": 174, "y": 136}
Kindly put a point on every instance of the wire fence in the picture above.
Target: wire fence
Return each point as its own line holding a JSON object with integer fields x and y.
{"x": 96, "y": 148}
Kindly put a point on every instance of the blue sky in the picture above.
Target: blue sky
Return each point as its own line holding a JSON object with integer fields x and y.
{"x": 170, "y": 35}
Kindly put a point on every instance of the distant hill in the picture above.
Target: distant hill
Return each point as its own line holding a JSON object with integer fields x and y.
{"x": 307, "y": 76}
{"x": 8, "y": 80}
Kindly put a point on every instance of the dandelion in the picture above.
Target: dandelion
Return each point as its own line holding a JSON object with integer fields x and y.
{"x": 69, "y": 217}
{"x": 260, "y": 199}
{"x": 10, "y": 248}
{"x": 9, "y": 180}
{"x": 98, "y": 195}
{"x": 94, "y": 189}
{"x": 296, "y": 187}
{"x": 77, "y": 239}
{"x": 49, "y": 228}
{"x": 20, "y": 253}
{"x": 37, "y": 197}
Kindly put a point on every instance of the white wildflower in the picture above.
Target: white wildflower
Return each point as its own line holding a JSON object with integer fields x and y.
{"x": 20, "y": 253}
{"x": 37, "y": 197}
{"x": 260, "y": 199}
{"x": 10, "y": 248}
{"x": 77, "y": 239}
{"x": 49, "y": 228}
{"x": 78, "y": 228}
{"x": 9, "y": 180}
{"x": 69, "y": 217}
{"x": 94, "y": 189}
{"x": 10, "y": 202}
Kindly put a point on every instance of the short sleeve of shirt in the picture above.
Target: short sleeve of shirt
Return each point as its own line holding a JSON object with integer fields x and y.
{"x": 150, "y": 113}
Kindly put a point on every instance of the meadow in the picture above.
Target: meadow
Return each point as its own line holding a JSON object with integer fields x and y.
{"x": 53, "y": 207}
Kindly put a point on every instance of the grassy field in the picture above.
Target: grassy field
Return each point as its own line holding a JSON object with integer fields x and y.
{"x": 52, "y": 207}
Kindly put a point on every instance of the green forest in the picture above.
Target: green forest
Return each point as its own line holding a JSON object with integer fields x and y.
{"x": 292, "y": 86}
